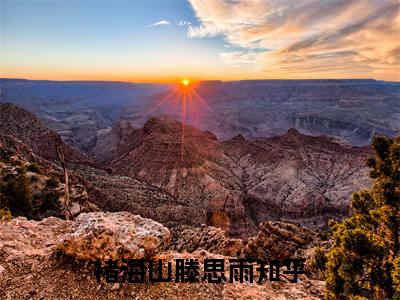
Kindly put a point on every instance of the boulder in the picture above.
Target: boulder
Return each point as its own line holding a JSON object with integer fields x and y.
{"x": 114, "y": 236}
{"x": 280, "y": 240}
{"x": 27, "y": 255}
{"x": 208, "y": 238}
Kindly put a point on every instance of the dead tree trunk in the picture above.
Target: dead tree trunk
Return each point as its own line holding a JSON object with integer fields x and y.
{"x": 61, "y": 157}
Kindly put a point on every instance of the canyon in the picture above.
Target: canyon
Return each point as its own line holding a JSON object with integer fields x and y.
{"x": 350, "y": 110}
{"x": 254, "y": 170}
{"x": 182, "y": 176}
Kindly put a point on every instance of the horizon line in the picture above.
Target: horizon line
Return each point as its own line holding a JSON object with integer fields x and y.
{"x": 205, "y": 80}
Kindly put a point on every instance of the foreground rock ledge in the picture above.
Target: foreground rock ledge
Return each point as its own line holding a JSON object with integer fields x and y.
{"x": 28, "y": 270}
{"x": 117, "y": 235}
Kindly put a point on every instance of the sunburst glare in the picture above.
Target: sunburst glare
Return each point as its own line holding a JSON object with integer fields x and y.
{"x": 185, "y": 103}
{"x": 185, "y": 82}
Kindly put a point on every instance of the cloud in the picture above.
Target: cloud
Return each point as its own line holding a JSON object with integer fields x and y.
{"x": 160, "y": 23}
{"x": 184, "y": 23}
{"x": 241, "y": 57}
{"x": 201, "y": 31}
{"x": 310, "y": 38}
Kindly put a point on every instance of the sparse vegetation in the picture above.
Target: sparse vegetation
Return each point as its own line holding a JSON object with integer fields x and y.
{"x": 34, "y": 167}
{"x": 34, "y": 179}
{"x": 5, "y": 215}
{"x": 15, "y": 194}
{"x": 5, "y": 153}
{"x": 50, "y": 202}
{"x": 364, "y": 262}
{"x": 318, "y": 262}
{"x": 324, "y": 236}
{"x": 52, "y": 183}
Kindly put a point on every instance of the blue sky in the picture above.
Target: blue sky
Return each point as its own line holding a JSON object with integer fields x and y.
{"x": 164, "y": 40}
{"x": 103, "y": 39}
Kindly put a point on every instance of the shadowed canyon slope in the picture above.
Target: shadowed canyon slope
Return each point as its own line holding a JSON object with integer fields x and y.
{"x": 25, "y": 126}
{"x": 24, "y": 141}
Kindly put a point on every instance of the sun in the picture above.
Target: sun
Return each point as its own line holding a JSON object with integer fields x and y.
{"x": 185, "y": 82}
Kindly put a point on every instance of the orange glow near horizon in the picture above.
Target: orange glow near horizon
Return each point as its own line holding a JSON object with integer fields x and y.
{"x": 161, "y": 77}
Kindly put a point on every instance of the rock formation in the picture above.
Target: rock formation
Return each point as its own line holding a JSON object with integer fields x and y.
{"x": 180, "y": 175}
{"x": 230, "y": 198}
{"x": 238, "y": 183}
{"x": 211, "y": 239}
{"x": 112, "y": 192}
{"x": 32, "y": 186}
{"x": 108, "y": 142}
{"x": 26, "y": 127}
{"x": 183, "y": 161}
{"x": 297, "y": 178}
{"x": 114, "y": 236}
{"x": 279, "y": 240}
{"x": 31, "y": 266}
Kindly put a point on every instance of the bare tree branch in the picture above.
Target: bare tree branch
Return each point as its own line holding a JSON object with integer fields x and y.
{"x": 61, "y": 157}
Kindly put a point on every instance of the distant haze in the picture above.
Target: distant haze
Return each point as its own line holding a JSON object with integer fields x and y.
{"x": 352, "y": 111}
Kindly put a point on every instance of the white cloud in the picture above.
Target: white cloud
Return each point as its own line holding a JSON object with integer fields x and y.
{"x": 242, "y": 57}
{"x": 160, "y": 23}
{"x": 184, "y": 23}
{"x": 310, "y": 37}
{"x": 201, "y": 31}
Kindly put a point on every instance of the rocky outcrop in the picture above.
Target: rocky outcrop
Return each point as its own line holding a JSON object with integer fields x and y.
{"x": 186, "y": 163}
{"x": 114, "y": 236}
{"x": 110, "y": 142}
{"x": 112, "y": 192}
{"x": 298, "y": 178}
{"x": 279, "y": 240}
{"x": 229, "y": 213}
{"x": 193, "y": 178}
{"x": 91, "y": 236}
{"x": 26, "y": 127}
{"x": 34, "y": 187}
{"x": 212, "y": 239}
{"x": 23, "y": 239}
{"x": 29, "y": 254}
{"x": 236, "y": 184}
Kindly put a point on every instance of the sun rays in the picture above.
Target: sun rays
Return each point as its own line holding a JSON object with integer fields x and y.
{"x": 184, "y": 103}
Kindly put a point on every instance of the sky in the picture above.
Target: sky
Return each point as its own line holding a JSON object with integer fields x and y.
{"x": 167, "y": 40}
